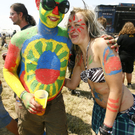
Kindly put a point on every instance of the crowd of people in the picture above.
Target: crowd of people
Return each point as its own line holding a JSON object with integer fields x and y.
{"x": 38, "y": 57}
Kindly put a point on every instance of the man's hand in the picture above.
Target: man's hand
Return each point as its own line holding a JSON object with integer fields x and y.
{"x": 112, "y": 42}
{"x": 30, "y": 103}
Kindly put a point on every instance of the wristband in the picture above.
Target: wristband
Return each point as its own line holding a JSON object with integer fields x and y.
{"x": 104, "y": 130}
{"x": 22, "y": 94}
{"x": 106, "y": 127}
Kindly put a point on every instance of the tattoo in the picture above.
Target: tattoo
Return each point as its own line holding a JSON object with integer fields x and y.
{"x": 111, "y": 63}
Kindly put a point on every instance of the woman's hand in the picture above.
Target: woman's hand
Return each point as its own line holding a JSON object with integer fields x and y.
{"x": 30, "y": 103}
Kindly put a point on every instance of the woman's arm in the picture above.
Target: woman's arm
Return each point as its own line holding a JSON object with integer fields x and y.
{"x": 111, "y": 65}
{"x": 75, "y": 78}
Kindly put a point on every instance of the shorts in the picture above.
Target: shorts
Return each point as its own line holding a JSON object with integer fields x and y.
{"x": 5, "y": 118}
{"x": 54, "y": 119}
{"x": 127, "y": 64}
{"x": 123, "y": 125}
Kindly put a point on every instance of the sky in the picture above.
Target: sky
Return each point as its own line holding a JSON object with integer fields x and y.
{"x": 6, "y": 23}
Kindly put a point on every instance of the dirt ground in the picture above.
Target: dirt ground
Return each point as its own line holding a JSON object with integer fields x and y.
{"x": 79, "y": 109}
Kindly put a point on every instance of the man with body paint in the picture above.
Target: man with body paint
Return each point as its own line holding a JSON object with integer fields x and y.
{"x": 43, "y": 52}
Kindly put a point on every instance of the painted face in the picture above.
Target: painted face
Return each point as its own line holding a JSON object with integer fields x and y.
{"x": 14, "y": 17}
{"x": 77, "y": 28}
{"x": 51, "y": 15}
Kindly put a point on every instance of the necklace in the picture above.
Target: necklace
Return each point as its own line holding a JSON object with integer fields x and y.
{"x": 85, "y": 65}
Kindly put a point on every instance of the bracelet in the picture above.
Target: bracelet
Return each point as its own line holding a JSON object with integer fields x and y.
{"x": 106, "y": 127}
{"x": 22, "y": 94}
{"x": 104, "y": 130}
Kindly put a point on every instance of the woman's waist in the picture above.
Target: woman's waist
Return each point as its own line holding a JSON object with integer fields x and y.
{"x": 126, "y": 102}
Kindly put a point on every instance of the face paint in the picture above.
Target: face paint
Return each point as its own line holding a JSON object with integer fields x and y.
{"x": 77, "y": 25}
{"x": 108, "y": 62}
{"x": 50, "y": 18}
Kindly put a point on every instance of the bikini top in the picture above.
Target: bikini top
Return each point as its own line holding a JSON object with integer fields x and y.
{"x": 93, "y": 74}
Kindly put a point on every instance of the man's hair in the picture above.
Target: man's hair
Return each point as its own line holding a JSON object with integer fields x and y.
{"x": 19, "y": 7}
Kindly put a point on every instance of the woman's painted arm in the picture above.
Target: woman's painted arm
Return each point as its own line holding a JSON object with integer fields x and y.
{"x": 111, "y": 64}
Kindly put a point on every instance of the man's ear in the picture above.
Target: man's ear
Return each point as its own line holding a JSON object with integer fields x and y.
{"x": 37, "y": 3}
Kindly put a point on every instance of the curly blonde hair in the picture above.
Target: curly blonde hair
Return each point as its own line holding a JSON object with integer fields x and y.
{"x": 128, "y": 28}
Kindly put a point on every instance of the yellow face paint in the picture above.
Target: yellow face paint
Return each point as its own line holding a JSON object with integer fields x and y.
{"x": 49, "y": 19}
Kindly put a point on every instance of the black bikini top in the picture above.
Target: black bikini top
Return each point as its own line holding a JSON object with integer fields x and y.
{"x": 93, "y": 74}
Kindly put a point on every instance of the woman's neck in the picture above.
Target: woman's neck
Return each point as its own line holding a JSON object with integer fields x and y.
{"x": 84, "y": 46}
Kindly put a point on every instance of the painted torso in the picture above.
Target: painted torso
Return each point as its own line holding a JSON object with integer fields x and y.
{"x": 44, "y": 58}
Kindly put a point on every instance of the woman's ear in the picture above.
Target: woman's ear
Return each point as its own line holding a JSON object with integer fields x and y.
{"x": 37, "y": 3}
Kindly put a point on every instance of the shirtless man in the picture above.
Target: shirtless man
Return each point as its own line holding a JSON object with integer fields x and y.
{"x": 43, "y": 52}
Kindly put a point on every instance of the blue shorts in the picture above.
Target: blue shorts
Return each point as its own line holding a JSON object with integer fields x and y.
{"x": 5, "y": 118}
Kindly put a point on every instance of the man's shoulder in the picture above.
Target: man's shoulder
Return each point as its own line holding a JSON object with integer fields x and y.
{"x": 62, "y": 31}
{"x": 23, "y": 35}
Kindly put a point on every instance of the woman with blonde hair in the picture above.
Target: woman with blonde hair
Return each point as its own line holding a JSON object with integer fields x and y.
{"x": 126, "y": 41}
{"x": 100, "y": 67}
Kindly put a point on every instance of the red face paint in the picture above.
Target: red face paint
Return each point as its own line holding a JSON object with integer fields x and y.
{"x": 80, "y": 20}
{"x": 74, "y": 18}
{"x": 79, "y": 30}
{"x": 55, "y": 11}
{"x": 82, "y": 23}
{"x": 70, "y": 20}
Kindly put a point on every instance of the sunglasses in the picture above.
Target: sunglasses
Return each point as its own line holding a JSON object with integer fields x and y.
{"x": 51, "y": 4}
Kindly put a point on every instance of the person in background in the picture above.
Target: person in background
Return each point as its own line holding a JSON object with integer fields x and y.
{"x": 100, "y": 66}
{"x": 3, "y": 40}
{"x": 103, "y": 22}
{"x": 13, "y": 33}
{"x": 19, "y": 16}
{"x": 126, "y": 41}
